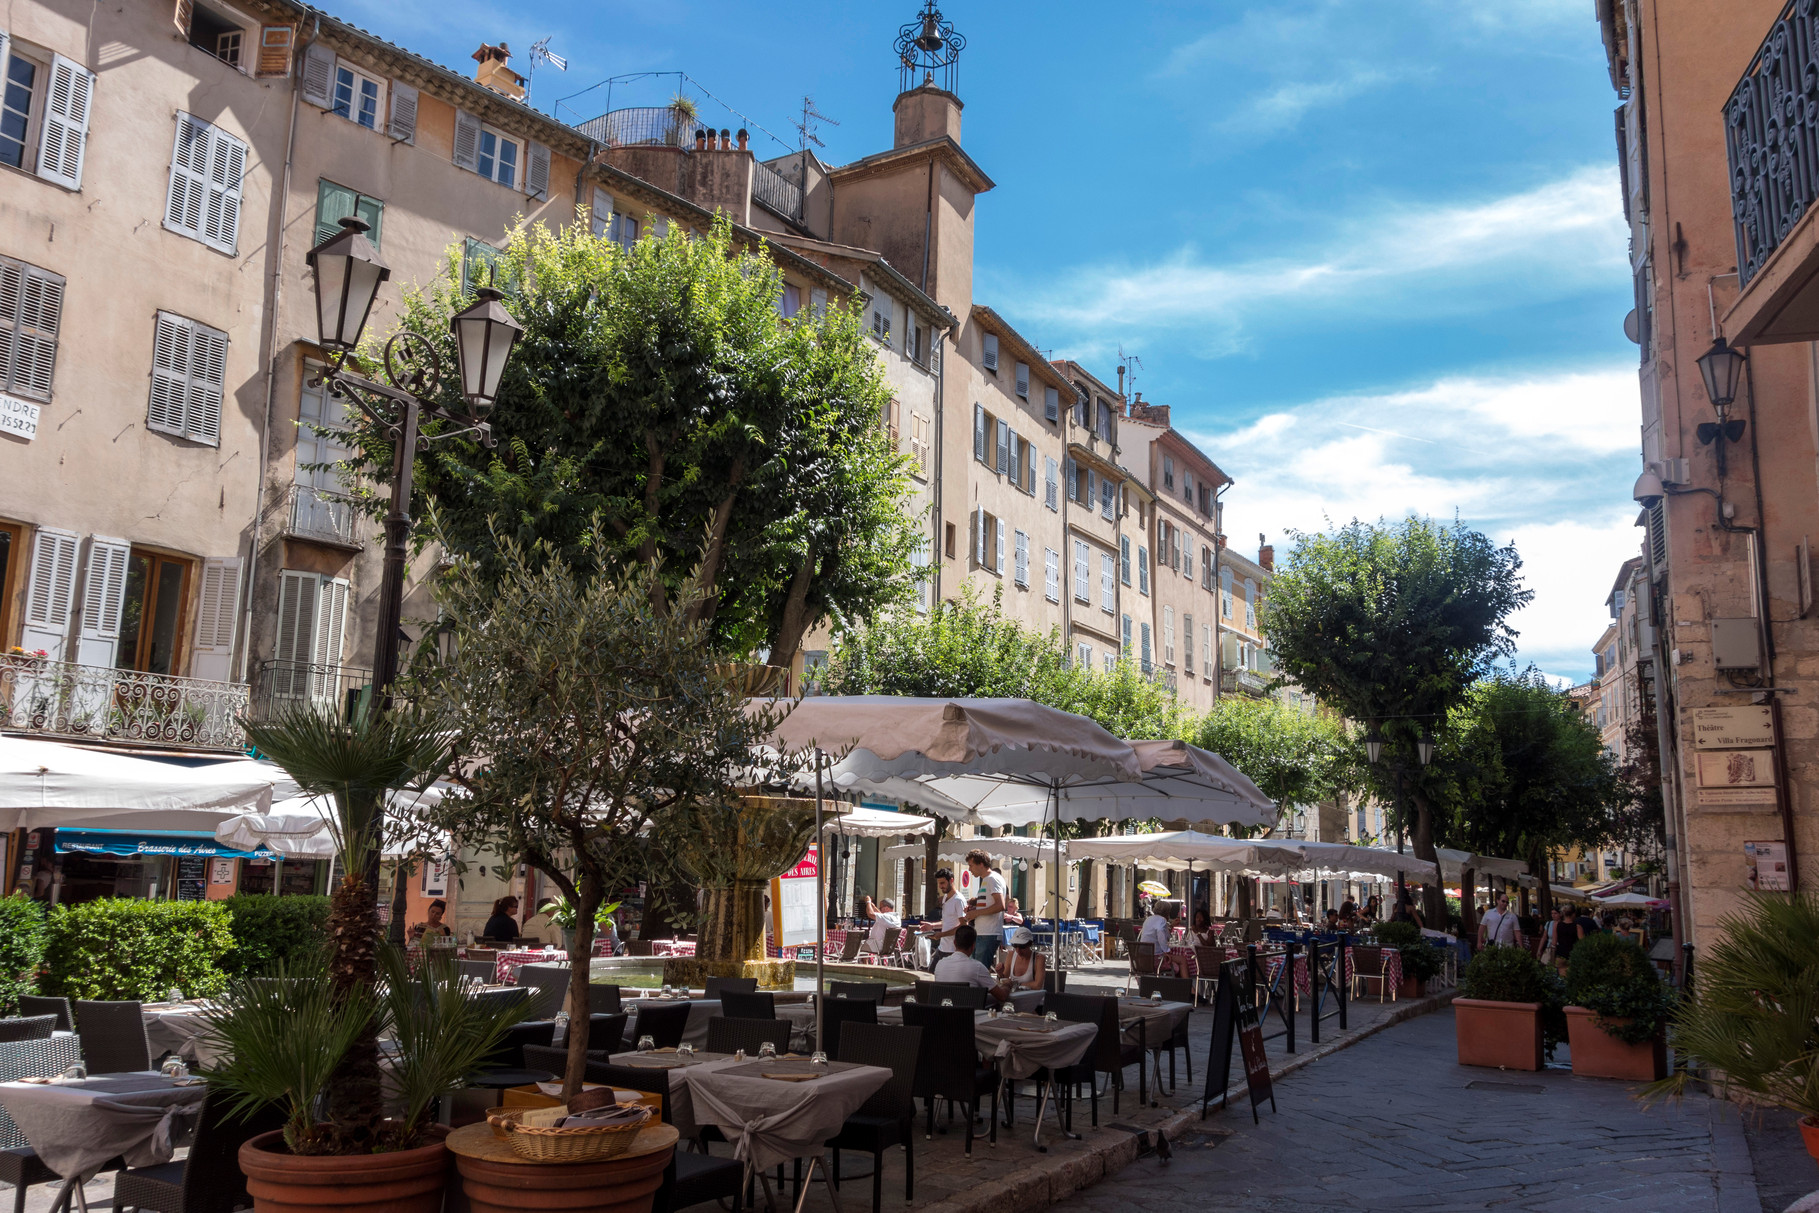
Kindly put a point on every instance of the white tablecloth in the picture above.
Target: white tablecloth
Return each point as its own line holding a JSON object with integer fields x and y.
{"x": 174, "y": 1028}
{"x": 770, "y": 1122}
{"x": 1160, "y": 1019}
{"x": 1024, "y": 1044}
{"x": 76, "y": 1127}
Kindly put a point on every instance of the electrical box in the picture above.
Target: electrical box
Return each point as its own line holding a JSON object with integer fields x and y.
{"x": 1736, "y": 644}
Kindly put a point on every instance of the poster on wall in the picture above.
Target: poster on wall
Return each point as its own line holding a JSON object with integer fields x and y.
{"x": 1766, "y": 869}
{"x": 435, "y": 877}
{"x": 793, "y": 903}
{"x": 221, "y": 871}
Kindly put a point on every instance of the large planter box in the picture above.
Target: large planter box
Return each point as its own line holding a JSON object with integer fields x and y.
{"x": 1412, "y": 987}
{"x": 1502, "y": 1035}
{"x": 1598, "y": 1054}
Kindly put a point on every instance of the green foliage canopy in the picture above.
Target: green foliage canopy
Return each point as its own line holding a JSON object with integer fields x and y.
{"x": 21, "y": 949}
{"x": 119, "y": 948}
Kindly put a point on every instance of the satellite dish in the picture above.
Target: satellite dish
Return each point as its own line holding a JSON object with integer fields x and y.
{"x": 1631, "y": 329}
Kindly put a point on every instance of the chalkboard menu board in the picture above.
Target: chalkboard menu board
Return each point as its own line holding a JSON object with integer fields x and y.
{"x": 192, "y": 877}
{"x": 1235, "y": 1015}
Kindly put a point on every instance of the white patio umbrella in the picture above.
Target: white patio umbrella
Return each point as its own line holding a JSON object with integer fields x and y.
{"x": 1186, "y": 850}
{"x": 1625, "y": 900}
{"x": 1344, "y": 857}
{"x": 877, "y": 823}
{"x": 1454, "y": 862}
{"x": 1011, "y": 846}
{"x": 298, "y": 828}
{"x": 47, "y": 783}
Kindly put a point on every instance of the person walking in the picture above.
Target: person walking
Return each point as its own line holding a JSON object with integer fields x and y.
{"x": 1566, "y": 934}
{"x": 1498, "y": 926}
{"x": 987, "y": 915}
{"x": 953, "y": 909}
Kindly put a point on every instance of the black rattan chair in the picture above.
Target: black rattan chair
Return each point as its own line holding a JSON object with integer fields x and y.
{"x": 603, "y": 999}
{"x": 735, "y": 1005}
{"x": 209, "y": 1180}
{"x": 690, "y": 1179}
{"x": 888, "y": 1117}
{"x": 35, "y": 1027}
{"x": 36, "y": 1004}
{"x": 717, "y": 986}
{"x": 950, "y": 1067}
{"x": 663, "y": 1022}
{"x": 1108, "y": 1054}
{"x": 113, "y": 1037}
{"x": 1172, "y": 989}
{"x": 1055, "y": 982}
{"x": 838, "y": 1011}
{"x": 509, "y": 1055}
{"x": 962, "y": 994}
{"x": 729, "y": 1035}
{"x": 866, "y": 991}
{"x": 549, "y": 989}
{"x": 483, "y": 971}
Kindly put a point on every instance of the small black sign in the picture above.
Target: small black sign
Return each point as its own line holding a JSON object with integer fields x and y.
{"x": 1235, "y": 1015}
{"x": 1256, "y": 1064}
{"x": 192, "y": 878}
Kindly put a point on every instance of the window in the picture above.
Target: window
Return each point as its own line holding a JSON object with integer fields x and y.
{"x": 1023, "y": 560}
{"x": 214, "y": 33}
{"x": 1051, "y": 574}
{"x": 988, "y": 548}
{"x": 947, "y": 544}
{"x": 1083, "y": 408}
{"x": 1023, "y": 380}
{"x": 919, "y": 560}
{"x": 322, "y": 508}
{"x": 789, "y": 302}
{"x": 312, "y": 634}
{"x": 150, "y": 613}
{"x": 1108, "y": 494}
{"x": 1108, "y": 582}
{"x": 1206, "y": 566}
{"x": 989, "y": 354}
{"x": 1105, "y": 421}
{"x": 44, "y": 111}
{"x": 1051, "y": 404}
{"x": 1143, "y": 632}
{"x": 1187, "y": 642}
{"x": 1052, "y": 473}
{"x": 1187, "y": 560}
{"x": 1124, "y": 559}
{"x": 16, "y": 106}
{"x": 1111, "y": 663}
{"x": 919, "y": 445}
{"x": 600, "y": 215}
{"x": 1143, "y": 569}
{"x": 478, "y": 265}
{"x": 31, "y": 311}
{"x": 1127, "y": 635}
{"x": 889, "y": 415}
{"x": 1168, "y": 472}
{"x": 189, "y": 368}
{"x": 881, "y": 319}
{"x": 1073, "y": 480}
{"x": 1083, "y": 590}
{"x": 1206, "y": 648}
{"x": 1250, "y": 604}
{"x": 1083, "y": 655}
{"x": 1225, "y": 592}
{"x": 357, "y": 96}
{"x": 498, "y": 156}
{"x": 912, "y": 340}
{"x": 1168, "y": 635}
{"x": 336, "y": 202}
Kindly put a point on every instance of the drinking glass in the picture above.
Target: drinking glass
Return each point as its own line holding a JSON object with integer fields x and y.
{"x": 947, "y": 1002}
{"x": 1009, "y": 1008}
{"x": 76, "y": 1073}
{"x": 685, "y": 1050}
{"x": 666, "y": 989}
{"x": 909, "y": 1000}
{"x": 174, "y": 995}
{"x": 646, "y": 1044}
{"x": 817, "y": 1058}
{"x": 1051, "y": 1017}
{"x": 173, "y": 1067}
{"x": 767, "y": 1050}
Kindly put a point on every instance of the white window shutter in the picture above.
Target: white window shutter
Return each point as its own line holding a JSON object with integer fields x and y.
{"x": 170, "y": 374}
{"x": 1108, "y": 580}
{"x": 213, "y": 654}
{"x": 998, "y": 550}
{"x": 536, "y": 172}
{"x": 296, "y": 616}
{"x": 1051, "y": 574}
{"x": 207, "y": 376}
{"x": 226, "y": 167}
{"x": 64, "y": 138}
{"x": 1023, "y": 558}
{"x": 188, "y": 194}
{"x": 31, "y": 308}
{"x": 467, "y": 141}
{"x": 979, "y": 537}
{"x": 403, "y": 123}
{"x": 103, "y": 600}
{"x": 319, "y": 75}
{"x": 331, "y": 622}
{"x": 1002, "y": 456}
{"x": 50, "y": 592}
{"x": 6, "y": 43}
{"x": 603, "y": 212}
{"x": 979, "y": 432}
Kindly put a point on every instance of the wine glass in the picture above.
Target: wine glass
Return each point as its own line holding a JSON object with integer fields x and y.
{"x": 1009, "y": 1008}
{"x": 817, "y": 1058}
{"x": 173, "y": 1067}
{"x": 685, "y": 1050}
{"x": 1051, "y": 1017}
{"x": 174, "y": 995}
{"x": 646, "y": 1044}
{"x": 767, "y": 1050}
{"x": 76, "y": 1073}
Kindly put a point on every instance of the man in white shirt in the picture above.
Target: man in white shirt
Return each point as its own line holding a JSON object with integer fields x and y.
{"x": 1156, "y": 926}
{"x": 987, "y": 913}
{"x": 953, "y": 906}
{"x": 960, "y": 966}
{"x": 884, "y": 917}
{"x": 1498, "y": 926}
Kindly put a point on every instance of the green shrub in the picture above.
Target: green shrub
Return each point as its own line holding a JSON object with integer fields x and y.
{"x": 1614, "y": 978}
{"x": 21, "y": 949}
{"x": 1421, "y": 960}
{"x": 1505, "y": 974}
{"x": 125, "y": 948}
{"x": 272, "y": 930}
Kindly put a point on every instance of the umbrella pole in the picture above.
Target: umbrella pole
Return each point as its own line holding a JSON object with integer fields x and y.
{"x": 1054, "y": 794}
{"x": 820, "y": 901}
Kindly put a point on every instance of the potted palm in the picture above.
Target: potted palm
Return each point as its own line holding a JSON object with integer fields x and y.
{"x": 1507, "y": 1014}
{"x": 1617, "y": 1011}
{"x": 1751, "y": 1024}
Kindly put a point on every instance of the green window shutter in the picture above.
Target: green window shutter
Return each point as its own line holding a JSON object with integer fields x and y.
{"x": 373, "y": 211}
{"x": 336, "y": 202}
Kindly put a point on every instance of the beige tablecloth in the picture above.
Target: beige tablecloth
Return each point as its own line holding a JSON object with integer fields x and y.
{"x": 76, "y": 1127}
{"x": 1023, "y": 1044}
{"x": 799, "y": 1015}
{"x": 1159, "y": 1019}
{"x": 770, "y": 1122}
{"x": 175, "y": 1028}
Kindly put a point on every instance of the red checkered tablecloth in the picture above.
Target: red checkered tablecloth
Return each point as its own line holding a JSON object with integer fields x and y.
{"x": 507, "y": 964}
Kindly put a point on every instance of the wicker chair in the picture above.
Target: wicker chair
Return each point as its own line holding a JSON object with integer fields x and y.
{"x": 549, "y": 986}
{"x": 867, "y": 991}
{"x": 1143, "y": 962}
{"x": 36, "y": 1027}
{"x": 1109, "y": 1053}
{"x": 950, "y": 1067}
{"x": 664, "y": 1023}
{"x": 483, "y": 971}
{"x": 961, "y": 993}
{"x": 849, "y": 952}
{"x": 888, "y": 1117}
{"x": 113, "y": 1037}
{"x": 209, "y": 1180}
{"x": 34, "y": 1004}
{"x": 730, "y": 1035}
{"x": 690, "y": 1179}
{"x": 718, "y": 986}
{"x": 734, "y": 1005}
{"x": 603, "y": 999}
{"x": 836, "y": 1012}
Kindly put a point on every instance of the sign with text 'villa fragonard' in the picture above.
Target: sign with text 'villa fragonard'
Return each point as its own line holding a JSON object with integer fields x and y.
{"x": 1734, "y": 728}
{"x": 18, "y": 417}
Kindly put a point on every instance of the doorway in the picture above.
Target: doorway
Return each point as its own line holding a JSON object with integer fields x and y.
{"x": 152, "y": 617}
{"x": 12, "y": 552}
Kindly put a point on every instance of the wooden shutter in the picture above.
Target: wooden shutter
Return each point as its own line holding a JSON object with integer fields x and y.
{"x": 602, "y": 213}
{"x": 103, "y": 600}
{"x": 64, "y": 138}
{"x": 979, "y": 537}
{"x": 1023, "y": 380}
{"x": 226, "y": 168}
{"x": 536, "y": 171}
{"x": 1108, "y": 579}
{"x": 182, "y": 14}
{"x": 1051, "y": 404}
{"x": 319, "y": 75}
{"x": 276, "y": 44}
{"x": 50, "y": 592}
{"x": 333, "y": 204}
{"x": 207, "y": 384}
{"x": 31, "y": 309}
{"x": 979, "y": 432}
{"x": 213, "y": 653}
{"x": 189, "y": 364}
{"x": 297, "y": 611}
{"x": 467, "y": 141}
{"x": 170, "y": 374}
{"x": 998, "y": 547}
{"x": 1016, "y": 459}
{"x": 403, "y": 123}
{"x": 1002, "y": 459}
{"x": 188, "y": 194}
{"x": 1051, "y": 574}
{"x": 1023, "y": 558}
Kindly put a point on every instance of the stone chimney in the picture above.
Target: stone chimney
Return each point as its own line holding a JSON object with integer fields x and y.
{"x": 1155, "y": 414}
{"x": 926, "y": 113}
{"x": 492, "y": 71}
{"x": 1266, "y": 555}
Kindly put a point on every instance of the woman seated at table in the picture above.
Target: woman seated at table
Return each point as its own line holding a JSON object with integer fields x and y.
{"x": 1372, "y": 911}
{"x": 1204, "y": 936}
{"x": 434, "y": 929}
{"x": 503, "y": 925}
{"x": 1020, "y": 967}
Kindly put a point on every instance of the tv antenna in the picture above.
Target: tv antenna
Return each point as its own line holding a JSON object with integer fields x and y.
{"x": 805, "y": 129}
{"x": 541, "y": 53}
{"x": 1131, "y": 364}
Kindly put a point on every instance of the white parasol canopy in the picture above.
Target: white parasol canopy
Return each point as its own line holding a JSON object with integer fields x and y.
{"x": 877, "y": 823}
{"x": 1179, "y": 850}
{"x": 48, "y": 783}
{"x": 1454, "y": 862}
{"x": 1338, "y": 857}
{"x": 1009, "y": 847}
{"x": 297, "y": 828}
{"x": 1636, "y": 900}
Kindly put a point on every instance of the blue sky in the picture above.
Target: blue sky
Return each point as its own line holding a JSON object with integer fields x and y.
{"x": 1370, "y": 251}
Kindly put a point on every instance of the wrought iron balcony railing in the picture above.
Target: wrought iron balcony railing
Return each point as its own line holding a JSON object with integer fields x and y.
{"x": 1771, "y": 136}
{"x": 285, "y": 685}
{"x": 644, "y": 125}
{"x": 777, "y": 191}
{"x": 325, "y": 516}
{"x": 64, "y": 699}
{"x": 1248, "y": 681}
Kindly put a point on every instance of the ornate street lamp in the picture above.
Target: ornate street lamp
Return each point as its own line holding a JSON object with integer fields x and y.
{"x": 1722, "y": 369}
{"x": 1373, "y": 746}
{"x": 1424, "y": 749}
{"x": 348, "y": 272}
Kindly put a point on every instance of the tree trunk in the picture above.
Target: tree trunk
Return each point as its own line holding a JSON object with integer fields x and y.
{"x": 1434, "y": 900}
{"x": 355, "y": 1100}
{"x": 1468, "y": 909}
{"x": 733, "y": 930}
{"x": 931, "y": 862}
{"x": 578, "y": 1005}
{"x": 395, "y": 929}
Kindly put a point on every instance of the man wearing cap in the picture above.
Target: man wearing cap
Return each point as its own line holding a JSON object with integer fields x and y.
{"x": 952, "y": 907}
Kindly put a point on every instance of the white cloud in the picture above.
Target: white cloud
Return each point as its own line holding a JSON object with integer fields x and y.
{"x": 1571, "y": 566}
{"x": 1281, "y": 107}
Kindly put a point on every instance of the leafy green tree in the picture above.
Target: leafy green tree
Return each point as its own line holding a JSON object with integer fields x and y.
{"x": 961, "y": 649}
{"x": 659, "y": 407}
{"x": 1390, "y": 624}
{"x": 1295, "y": 757}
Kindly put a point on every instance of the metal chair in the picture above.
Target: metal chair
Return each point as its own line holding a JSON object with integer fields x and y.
{"x": 717, "y": 987}
{"x": 690, "y": 1179}
{"x": 209, "y": 1180}
{"x": 1109, "y": 1053}
{"x": 550, "y": 983}
{"x": 35, "y": 1004}
{"x": 35, "y": 1027}
{"x": 1206, "y": 964}
{"x": 949, "y": 1067}
{"x": 886, "y": 1118}
{"x": 838, "y": 1011}
{"x": 483, "y": 971}
{"x": 849, "y": 952}
{"x": 868, "y": 991}
{"x": 113, "y": 1037}
{"x": 730, "y": 1035}
{"x": 734, "y": 1005}
{"x": 664, "y": 1023}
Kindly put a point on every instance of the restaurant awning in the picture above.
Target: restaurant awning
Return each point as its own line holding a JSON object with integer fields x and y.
{"x": 954, "y": 849}
{"x": 869, "y": 822}
{"x": 48, "y": 783}
{"x": 133, "y": 842}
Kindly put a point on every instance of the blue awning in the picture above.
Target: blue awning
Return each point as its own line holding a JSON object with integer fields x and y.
{"x": 134, "y": 842}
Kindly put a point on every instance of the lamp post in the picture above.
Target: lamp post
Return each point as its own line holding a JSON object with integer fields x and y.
{"x": 1721, "y": 367}
{"x": 348, "y": 272}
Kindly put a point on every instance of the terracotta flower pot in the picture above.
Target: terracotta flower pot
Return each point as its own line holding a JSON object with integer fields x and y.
{"x": 408, "y": 1181}
{"x": 1505, "y": 1035}
{"x": 618, "y": 1186}
{"x": 1412, "y": 987}
{"x": 1598, "y": 1054}
{"x": 1809, "y": 1133}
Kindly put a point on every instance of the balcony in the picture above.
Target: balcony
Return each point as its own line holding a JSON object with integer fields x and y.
{"x": 777, "y": 192}
{"x": 1248, "y": 681}
{"x": 321, "y": 516}
{"x": 644, "y": 126}
{"x": 283, "y": 686}
{"x": 1771, "y": 137}
{"x": 44, "y": 698}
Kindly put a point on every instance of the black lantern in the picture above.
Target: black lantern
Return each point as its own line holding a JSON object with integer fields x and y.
{"x": 1373, "y": 747}
{"x": 1722, "y": 368}
{"x": 1424, "y": 749}
{"x": 484, "y": 336}
{"x": 348, "y": 271}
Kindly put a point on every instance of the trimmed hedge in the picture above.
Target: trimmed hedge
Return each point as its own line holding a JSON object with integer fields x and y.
{"x": 126, "y": 948}
{"x": 1613, "y": 977}
{"x": 21, "y": 949}
{"x": 271, "y": 930}
{"x": 1511, "y": 974}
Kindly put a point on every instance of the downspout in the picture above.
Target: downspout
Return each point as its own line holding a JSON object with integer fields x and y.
{"x": 937, "y": 552}
{"x": 1219, "y": 590}
{"x": 1669, "y": 765}
{"x": 274, "y": 309}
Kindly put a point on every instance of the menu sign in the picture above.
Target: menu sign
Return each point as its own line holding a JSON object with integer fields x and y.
{"x": 1735, "y": 728}
{"x": 1256, "y": 1064}
{"x": 192, "y": 878}
{"x": 1235, "y": 1014}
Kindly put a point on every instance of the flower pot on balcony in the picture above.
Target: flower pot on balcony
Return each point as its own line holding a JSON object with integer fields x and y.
{"x": 1504, "y": 1035}
{"x": 1598, "y": 1054}
{"x": 407, "y": 1181}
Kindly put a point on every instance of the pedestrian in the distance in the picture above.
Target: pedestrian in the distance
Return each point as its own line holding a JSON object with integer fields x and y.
{"x": 1498, "y": 926}
{"x": 1566, "y": 934}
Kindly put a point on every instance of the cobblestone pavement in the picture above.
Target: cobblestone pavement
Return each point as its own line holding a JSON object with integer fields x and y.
{"x": 1394, "y": 1123}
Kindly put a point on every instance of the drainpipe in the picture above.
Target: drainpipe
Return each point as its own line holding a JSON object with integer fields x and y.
{"x": 1218, "y": 591}
{"x": 1669, "y": 766}
{"x": 274, "y": 308}
{"x": 937, "y": 553}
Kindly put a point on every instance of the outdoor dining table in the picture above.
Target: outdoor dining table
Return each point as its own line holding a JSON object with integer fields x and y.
{"x": 176, "y": 1027}
{"x": 800, "y": 1016}
{"x": 76, "y": 1127}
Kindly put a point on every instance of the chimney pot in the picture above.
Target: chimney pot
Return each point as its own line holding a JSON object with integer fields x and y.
{"x": 742, "y": 138}
{"x": 700, "y": 140}
{"x": 726, "y": 140}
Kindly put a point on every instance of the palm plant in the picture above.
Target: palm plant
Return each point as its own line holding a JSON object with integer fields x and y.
{"x": 356, "y": 762}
